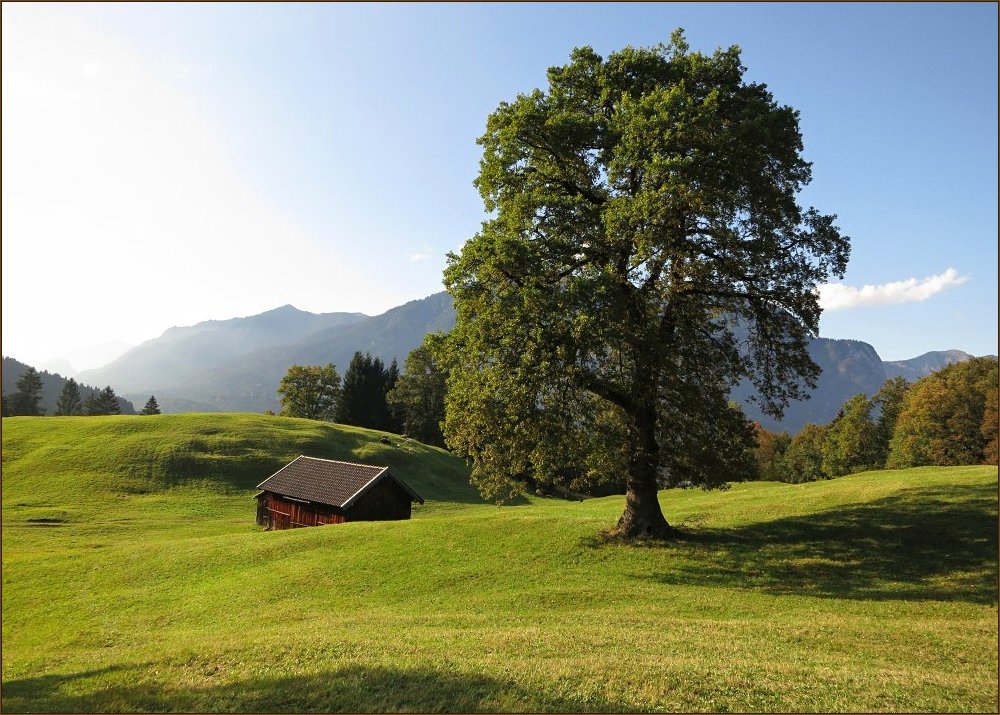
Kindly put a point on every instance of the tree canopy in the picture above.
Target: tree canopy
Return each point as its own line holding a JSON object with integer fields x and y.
{"x": 310, "y": 391}
{"x": 417, "y": 399}
{"x": 644, "y": 251}
{"x": 946, "y": 418}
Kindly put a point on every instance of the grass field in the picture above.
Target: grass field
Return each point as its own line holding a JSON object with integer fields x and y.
{"x": 135, "y": 579}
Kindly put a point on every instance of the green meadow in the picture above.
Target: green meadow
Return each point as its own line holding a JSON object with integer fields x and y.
{"x": 135, "y": 579}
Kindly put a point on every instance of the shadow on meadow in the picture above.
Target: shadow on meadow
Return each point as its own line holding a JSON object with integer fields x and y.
{"x": 239, "y": 463}
{"x": 349, "y": 689}
{"x": 923, "y": 544}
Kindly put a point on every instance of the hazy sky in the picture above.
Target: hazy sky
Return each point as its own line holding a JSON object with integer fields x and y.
{"x": 164, "y": 164}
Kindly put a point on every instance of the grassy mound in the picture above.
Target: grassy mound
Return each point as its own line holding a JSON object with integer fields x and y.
{"x": 135, "y": 579}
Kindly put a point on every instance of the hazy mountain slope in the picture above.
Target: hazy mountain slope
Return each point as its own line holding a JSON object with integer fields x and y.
{"x": 52, "y": 386}
{"x": 848, "y": 367}
{"x": 250, "y": 383}
{"x": 923, "y": 365}
{"x": 236, "y": 365}
{"x": 185, "y": 352}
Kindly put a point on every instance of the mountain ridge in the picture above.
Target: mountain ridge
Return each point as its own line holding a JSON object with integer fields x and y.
{"x": 224, "y": 365}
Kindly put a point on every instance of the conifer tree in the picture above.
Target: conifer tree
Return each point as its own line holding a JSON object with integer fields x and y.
{"x": 102, "y": 402}
{"x": 92, "y": 404}
{"x": 363, "y": 397}
{"x": 29, "y": 393}
{"x": 69, "y": 402}
{"x": 109, "y": 402}
{"x": 151, "y": 408}
{"x": 394, "y": 422}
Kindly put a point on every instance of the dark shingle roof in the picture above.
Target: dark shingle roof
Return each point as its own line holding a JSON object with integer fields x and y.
{"x": 326, "y": 481}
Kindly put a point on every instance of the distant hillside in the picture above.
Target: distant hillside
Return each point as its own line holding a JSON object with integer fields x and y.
{"x": 236, "y": 365}
{"x": 181, "y": 354}
{"x": 251, "y": 382}
{"x": 923, "y": 365}
{"x": 52, "y": 386}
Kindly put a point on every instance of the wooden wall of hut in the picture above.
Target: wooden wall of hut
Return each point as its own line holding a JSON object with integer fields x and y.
{"x": 275, "y": 512}
{"x": 385, "y": 501}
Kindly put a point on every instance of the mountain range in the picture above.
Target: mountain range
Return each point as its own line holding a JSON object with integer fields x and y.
{"x": 235, "y": 365}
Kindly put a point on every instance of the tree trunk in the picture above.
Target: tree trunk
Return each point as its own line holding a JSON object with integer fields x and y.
{"x": 643, "y": 518}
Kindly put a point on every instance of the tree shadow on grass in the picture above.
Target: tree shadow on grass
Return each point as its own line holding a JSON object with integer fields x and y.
{"x": 351, "y": 689}
{"x": 923, "y": 544}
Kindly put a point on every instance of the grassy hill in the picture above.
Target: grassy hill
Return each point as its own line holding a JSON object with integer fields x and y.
{"x": 135, "y": 579}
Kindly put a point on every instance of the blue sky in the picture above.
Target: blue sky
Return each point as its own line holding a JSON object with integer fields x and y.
{"x": 246, "y": 156}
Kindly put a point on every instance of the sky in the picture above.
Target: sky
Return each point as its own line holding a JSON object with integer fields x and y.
{"x": 167, "y": 164}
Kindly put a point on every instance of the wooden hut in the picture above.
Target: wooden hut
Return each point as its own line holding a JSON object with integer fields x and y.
{"x": 310, "y": 492}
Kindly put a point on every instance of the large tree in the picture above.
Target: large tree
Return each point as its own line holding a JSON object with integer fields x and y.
{"x": 645, "y": 250}
{"x": 310, "y": 391}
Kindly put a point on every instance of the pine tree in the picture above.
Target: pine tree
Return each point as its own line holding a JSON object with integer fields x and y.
{"x": 109, "y": 402}
{"x": 151, "y": 408}
{"x": 69, "y": 400}
{"x": 362, "y": 400}
{"x": 92, "y": 403}
{"x": 29, "y": 393}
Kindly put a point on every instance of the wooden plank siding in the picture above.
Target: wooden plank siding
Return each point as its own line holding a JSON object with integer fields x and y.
{"x": 274, "y": 512}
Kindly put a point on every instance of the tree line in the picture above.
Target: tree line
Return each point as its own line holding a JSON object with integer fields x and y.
{"x": 372, "y": 395}
{"x": 947, "y": 418}
{"x": 74, "y": 400}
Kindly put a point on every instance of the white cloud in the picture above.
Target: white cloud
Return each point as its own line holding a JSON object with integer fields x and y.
{"x": 839, "y": 296}
{"x": 424, "y": 252}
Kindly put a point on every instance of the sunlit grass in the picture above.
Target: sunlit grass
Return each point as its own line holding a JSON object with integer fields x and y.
{"x": 134, "y": 578}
